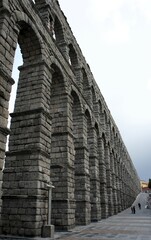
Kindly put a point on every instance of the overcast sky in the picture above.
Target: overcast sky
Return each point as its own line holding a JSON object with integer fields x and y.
{"x": 115, "y": 38}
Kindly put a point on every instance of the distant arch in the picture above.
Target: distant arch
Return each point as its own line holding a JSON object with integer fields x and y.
{"x": 57, "y": 93}
{"x": 85, "y": 80}
{"x": 59, "y": 35}
{"x": 93, "y": 95}
{"x": 27, "y": 37}
{"x": 73, "y": 59}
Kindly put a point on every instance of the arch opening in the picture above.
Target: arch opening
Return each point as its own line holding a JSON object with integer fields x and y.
{"x": 58, "y": 31}
{"x": 27, "y": 52}
{"x": 29, "y": 44}
{"x": 73, "y": 60}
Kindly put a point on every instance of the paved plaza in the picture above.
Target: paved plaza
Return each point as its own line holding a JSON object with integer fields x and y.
{"x": 124, "y": 226}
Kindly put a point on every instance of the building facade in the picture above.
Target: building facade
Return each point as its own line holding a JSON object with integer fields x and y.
{"x": 61, "y": 128}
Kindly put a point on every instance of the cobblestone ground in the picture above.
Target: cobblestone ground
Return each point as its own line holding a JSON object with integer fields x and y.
{"x": 124, "y": 226}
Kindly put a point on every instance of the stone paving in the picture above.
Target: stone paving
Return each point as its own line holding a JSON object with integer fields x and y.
{"x": 124, "y": 226}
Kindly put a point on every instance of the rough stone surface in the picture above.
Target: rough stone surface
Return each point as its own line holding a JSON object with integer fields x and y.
{"x": 61, "y": 128}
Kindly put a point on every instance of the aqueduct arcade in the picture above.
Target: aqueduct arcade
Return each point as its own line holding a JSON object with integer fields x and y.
{"x": 61, "y": 128}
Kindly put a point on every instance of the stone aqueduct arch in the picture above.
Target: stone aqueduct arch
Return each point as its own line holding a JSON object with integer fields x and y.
{"x": 61, "y": 128}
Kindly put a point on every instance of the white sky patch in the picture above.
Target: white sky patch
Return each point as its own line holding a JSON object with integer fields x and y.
{"x": 102, "y": 10}
{"x": 119, "y": 17}
{"x": 144, "y": 6}
{"x": 149, "y": 85}
{"x": 119, "y": 33}
{"x": 108, "y": 14}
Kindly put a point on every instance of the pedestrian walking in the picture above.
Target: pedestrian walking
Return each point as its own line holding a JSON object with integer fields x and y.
{"x": 139, "y": 205}
{"x": 134, "y": 209}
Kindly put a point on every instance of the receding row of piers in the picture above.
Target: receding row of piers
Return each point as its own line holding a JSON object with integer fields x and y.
{"x": 61, "y": 128}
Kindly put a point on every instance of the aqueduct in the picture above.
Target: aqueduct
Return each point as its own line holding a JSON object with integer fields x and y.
{"x": 61, "y": 128}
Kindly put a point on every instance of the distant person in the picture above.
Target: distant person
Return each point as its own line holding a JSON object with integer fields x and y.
{"x": 139, "y": 205}
{"x": 134, "y": 209}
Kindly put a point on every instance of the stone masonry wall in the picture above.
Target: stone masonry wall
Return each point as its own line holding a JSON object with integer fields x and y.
{"x": 61, "y": 128}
